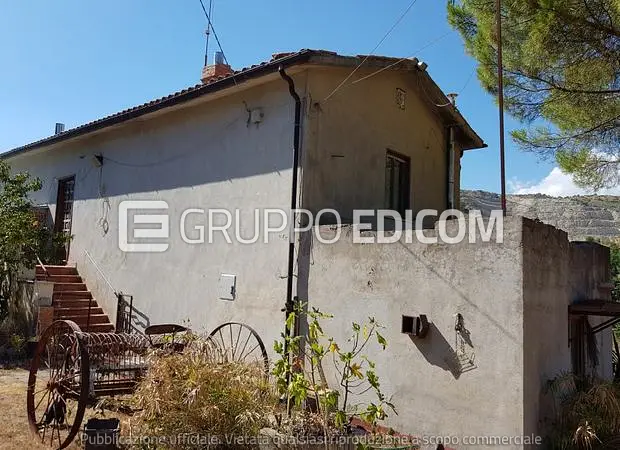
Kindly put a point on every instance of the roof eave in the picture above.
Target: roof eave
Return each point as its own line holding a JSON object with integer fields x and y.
{"x": 157, "y": 105}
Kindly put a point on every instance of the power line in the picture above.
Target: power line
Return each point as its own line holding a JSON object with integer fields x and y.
{"x": 208, "y": 33}
{"x": 471, "y": 75}
{"x": 217, "y": 39}
{"x": 400, "y": 19}
{"x": 433, "y": 42}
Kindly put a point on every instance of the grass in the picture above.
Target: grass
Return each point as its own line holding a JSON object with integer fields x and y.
{"x": 15, "y": 431}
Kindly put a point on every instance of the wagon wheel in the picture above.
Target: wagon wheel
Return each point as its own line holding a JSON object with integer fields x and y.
{"x": 58, "y": 385}
{"x": 237, "y": 342}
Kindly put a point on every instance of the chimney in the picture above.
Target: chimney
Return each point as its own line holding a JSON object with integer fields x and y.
{"x": 60, "y": 127}
{"x": 216, "y": 70}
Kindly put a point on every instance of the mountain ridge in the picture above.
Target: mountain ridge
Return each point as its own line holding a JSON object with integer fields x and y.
{"x": 581, "y": 216}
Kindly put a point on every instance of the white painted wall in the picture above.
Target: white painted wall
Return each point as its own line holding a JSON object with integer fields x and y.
{"x": 205, "y": 156}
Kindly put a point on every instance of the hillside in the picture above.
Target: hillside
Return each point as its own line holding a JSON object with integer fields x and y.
{"x": 581, "y": 216}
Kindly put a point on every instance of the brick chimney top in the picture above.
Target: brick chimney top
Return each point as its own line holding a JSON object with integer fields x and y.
{"x": 217, "y": 69}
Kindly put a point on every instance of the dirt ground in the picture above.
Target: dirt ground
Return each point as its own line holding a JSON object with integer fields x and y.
{"x": 14, "y": 430}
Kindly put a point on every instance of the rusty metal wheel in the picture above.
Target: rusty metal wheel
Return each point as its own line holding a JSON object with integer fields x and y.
{"x": 237, "y": 342}
{"x": 58, "y": 385}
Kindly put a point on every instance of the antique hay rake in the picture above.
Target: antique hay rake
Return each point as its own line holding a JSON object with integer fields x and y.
{"x": 72, "y": 369}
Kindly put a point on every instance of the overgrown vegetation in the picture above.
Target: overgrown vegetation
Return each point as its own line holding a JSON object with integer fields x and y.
{"x": 587, "y": 414}
{"x": 191, "y": 393}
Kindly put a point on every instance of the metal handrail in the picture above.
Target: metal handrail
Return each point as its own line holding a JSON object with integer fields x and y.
{"x": 107, "y": 281}
{"x": 47, "y": 274}
{"x": 88, "y": 255}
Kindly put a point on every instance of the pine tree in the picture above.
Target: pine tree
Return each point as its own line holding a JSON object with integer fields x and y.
{"x": 562, "y": 70}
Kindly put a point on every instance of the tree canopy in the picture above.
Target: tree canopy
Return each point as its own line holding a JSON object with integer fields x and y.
{"x": 561, "y": 66}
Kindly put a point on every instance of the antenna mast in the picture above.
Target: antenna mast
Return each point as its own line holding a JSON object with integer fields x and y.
{"x": 208, "y": 32}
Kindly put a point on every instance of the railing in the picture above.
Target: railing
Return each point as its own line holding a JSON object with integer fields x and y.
{"x": 124, "y": 302}
{"x": 47, "y": 274}
{"x": 94, "y": 263}
{"x": 124, "y": 313}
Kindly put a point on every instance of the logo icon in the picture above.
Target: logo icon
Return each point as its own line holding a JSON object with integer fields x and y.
{"x": 137, "y": 242}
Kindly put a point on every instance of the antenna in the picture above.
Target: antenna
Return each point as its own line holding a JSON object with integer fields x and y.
{"x": 208, "y": 32}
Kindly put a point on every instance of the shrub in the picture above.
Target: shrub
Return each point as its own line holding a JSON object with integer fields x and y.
{"x": 190, "y": 393}
{"x": 587, "y": 414}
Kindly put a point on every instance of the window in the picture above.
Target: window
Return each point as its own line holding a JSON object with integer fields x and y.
{"x": 397, "y": 182}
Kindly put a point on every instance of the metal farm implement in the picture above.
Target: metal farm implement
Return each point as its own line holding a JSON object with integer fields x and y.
{"x": 72, "y": 369}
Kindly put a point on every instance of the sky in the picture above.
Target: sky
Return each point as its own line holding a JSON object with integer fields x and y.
{"x": 74, "y": 61}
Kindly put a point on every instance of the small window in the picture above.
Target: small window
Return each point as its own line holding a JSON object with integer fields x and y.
{"x": 397, "y": 182}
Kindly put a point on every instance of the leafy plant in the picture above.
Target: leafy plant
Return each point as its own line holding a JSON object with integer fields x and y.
{"x": 22, "y": 237}
{"x": 300, "y": 375}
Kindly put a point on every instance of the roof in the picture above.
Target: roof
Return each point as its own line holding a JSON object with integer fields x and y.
{"x": 305, "y": 56}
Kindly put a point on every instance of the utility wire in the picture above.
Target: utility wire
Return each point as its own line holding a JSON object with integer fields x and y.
{"x": 217, "y": 39}
{"x": 400, "y": 19}
{"x": 433, "y": 42}
{"x": 208, "y": 34}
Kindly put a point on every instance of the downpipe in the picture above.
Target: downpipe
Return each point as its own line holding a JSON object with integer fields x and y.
{"x": 289, "y": 306}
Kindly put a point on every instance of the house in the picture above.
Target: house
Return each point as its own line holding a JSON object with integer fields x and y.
{"x": 299, "y": 132}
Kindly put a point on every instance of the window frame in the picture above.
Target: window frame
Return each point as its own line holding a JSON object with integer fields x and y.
{"x": 404, "y": 184}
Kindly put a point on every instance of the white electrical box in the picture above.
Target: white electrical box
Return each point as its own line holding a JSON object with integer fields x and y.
{"x": 227, "y": 287}
{"x": 257, "y": 115}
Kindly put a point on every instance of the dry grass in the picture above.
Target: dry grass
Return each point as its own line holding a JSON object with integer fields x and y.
{"x": 588, "y": 417}
{"x": 188, "y": 393}
{"x": 14, "y": 431}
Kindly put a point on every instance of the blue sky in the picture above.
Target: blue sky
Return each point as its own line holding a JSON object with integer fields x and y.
{"x": 73, "y": 61}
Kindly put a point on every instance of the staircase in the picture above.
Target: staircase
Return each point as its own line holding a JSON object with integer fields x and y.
{"x": 72, "y": 299}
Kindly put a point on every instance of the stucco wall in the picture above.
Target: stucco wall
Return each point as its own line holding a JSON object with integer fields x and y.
{"x": 483, "y": 282}
{"x": 546, "y": 296}
{"x": 205, "y": 156}
{"x": 348, "y": 134}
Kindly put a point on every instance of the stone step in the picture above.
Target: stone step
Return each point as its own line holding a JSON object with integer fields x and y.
{"x": 83, "y": 320}
{"x": 75, "y": 303}
{"x": 56, "y": 270}
{"x": 60, "y": 278}
{"x": 77, "y": 310}
{"x": 72, "y": 295}
{"x": 61, "y": 287}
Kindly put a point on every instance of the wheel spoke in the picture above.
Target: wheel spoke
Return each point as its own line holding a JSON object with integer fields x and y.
{"x": 236, "y": 350}
{"x": 56, "y": 386}
{"x": 249, "y": 353}
{"x": 246, "y": 343}
{"x": 42, "y": 397}
{"x": 237, "y": 342}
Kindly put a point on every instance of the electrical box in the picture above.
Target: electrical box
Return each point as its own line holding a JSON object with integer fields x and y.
{"x": 256, "y": 115}
{"x": 415, "y": 326}
{"x": 227, "y": 287}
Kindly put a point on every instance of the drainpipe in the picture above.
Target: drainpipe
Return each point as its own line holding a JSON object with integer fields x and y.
{"x": 289, "y": 305}
{"x": 451, "y": 168}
